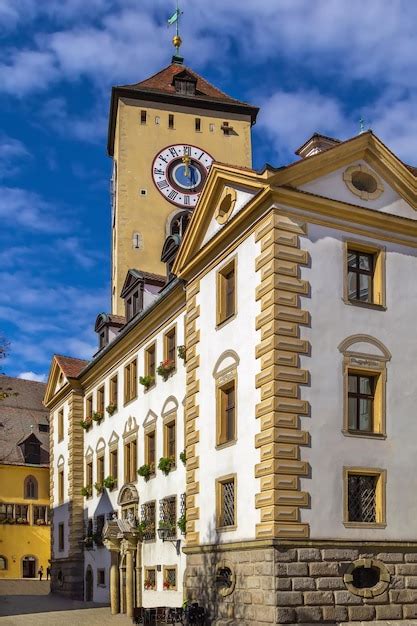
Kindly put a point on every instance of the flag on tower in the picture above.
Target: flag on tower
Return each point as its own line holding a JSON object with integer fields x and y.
{"x": 174, "y": 17}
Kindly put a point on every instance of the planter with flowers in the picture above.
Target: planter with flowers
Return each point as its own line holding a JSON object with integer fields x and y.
{"x": 109, "y": 483}
{"x": 146, "y": 471}
{"x": 166, "y": 464}
{"x": 147, "y": 381}
{"x": 168, "y": 585}
{"x": 40, "y": 522}
{"x": 87, "y": 492}
{"x": 182, "y": 352}
{"x": 87, "y": 423}
{"x": 98, "y": 416}
{"x": 166, "y": 368}
{"x": 182, "y": 523}
{"x": 111, "y": 408}
{"x": 22, "y": 520}
{"x": 183, "y": 457}
{"x": 148, "y": 584}
{"x": 99, "y": 487}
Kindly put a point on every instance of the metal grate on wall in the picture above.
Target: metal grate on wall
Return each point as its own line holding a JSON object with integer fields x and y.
{"x": 168, "y": 515}
{"x": 362, "y": 498}
{"x": 228, "y": 504}
{"x": 148, "y": 518}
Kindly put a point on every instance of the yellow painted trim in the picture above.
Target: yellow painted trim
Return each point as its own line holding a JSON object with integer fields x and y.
{"x": 380, "y": 504}
{"x": 220, "y": 481}
{"x": 379, "y": 275}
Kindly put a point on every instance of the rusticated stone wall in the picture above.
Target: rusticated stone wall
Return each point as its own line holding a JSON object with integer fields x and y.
{"x": 301, "y": 585}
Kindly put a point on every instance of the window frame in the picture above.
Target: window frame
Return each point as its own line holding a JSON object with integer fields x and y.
{"x": 114, "y": 453}
{"x": 60, "y": 419}
{"x": 226, "y": 379}
{"x": 378, "y": 276}
{"x": 167, "y": 568}
{"x": 101, "y": 570}
{"x": 169, "y": 421}
{"x": 101, "y": 400}
{"x": 171, "y": 121}
{"x": 89, "y": 407}
{"x": 130, "y": 459}
{"x": 61, "y": 536}
{"x": 143, "y": 116}
{"x": 380, "y": 496}
{"x": 100, "y": 467}
{"x": 89, "y": 473}
{"x": 149, "y": 350}
{"x": 220, "y": 482}
{"x": 150, "y": 432}
{"x": 222, "y": 315}
{"x": 358, "y": 396}
{"x": 114, "y": 391}
{"x": 5, "y": 561}
{"x": 130, "y": 381}
{"x": 61, "y": 485}
{"x": 150, "y": 568}
{"x": 171, "y": 332}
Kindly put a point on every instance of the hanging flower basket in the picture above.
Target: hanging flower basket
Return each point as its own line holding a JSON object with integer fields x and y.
{"x": 147, "y": 381}
{"x": 99, "y": 487}
{"x": 109, "y": 482}
{"x": 166, "y": 368}
{"x": 166, "y": 464}
{"x": 183, "y": 457}
{"x": 111, "y": 408}
{"x": 147, "y": 584}
{"x": 182, "y": 352}
{"x": 87, "y": 492}
{"x": 86, "y": 424}
{"x": 146, "y": 471}
{"x": 98, "y": 416}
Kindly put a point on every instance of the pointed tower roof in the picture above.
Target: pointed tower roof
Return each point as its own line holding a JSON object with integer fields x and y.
{"x": 163, "y": 87}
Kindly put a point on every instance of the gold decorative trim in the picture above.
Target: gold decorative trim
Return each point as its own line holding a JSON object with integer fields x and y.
{"x": 280, "y": 376}
{"x": 225, "y": 205}
{"x": 192, "y": 412}
{"x": 75, "y": 475}
{"x": 381, "y": 515}
{"x": 379, "y": 275}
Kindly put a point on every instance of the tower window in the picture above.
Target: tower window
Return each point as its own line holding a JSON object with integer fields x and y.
{"x": 157, "y": 119}
{"x": 170, "y": 121}
{"x": 198, "y": 124}
{"x": 211, "y": 128}
{"x": 143, "y": 117}
{"x": 179, "y": 223}
{"x": 226, "y": 128}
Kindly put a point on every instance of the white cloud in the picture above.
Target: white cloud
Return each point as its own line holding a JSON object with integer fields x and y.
{"x": 40, "y": 378}
{"x": 12, "y": 153}
{"x": 29, "y": 210}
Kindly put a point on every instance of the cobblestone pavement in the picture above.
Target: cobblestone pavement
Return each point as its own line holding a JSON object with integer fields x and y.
{"x": 29, "y": 603}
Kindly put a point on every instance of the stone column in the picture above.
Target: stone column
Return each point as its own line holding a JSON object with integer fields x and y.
{"x": 129, "y": 582}
{"x": 114, "y": 583}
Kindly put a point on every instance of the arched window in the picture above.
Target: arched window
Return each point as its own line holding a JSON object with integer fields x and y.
{"x": 3, "y": 563}
{"x": 30, "y": 488}
{"x": 179, "y": 223}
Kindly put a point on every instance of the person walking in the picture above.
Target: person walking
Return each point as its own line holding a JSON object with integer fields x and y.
{"x": 48, "y": 573}
{"x": 40, "y": 572}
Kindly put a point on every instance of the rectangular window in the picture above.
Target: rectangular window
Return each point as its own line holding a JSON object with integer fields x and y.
{"x": 40, "y": 515}
{"x": 361, "y": 391}
{"x": 143, "y": 117}
{"x": 149, "y": 581}
{"x": 150, "y": 361}
{"x": 100, "y": 470}
{"x": 60, "y": 425}
{"x": 150, "y": 449}
{"x": 113, "y": 393}
{"x": 101, "y": 578}
{"x": 60, "y": 486}
{"x": 170, "y": 121}
{"x": 100, "y": 400}
{"x": 364, "y": 496}
{"x": 198, "y": 124}
{"x": 113, "y": 464}
{"x": 89, "y": 407}
{"x": 226, "y": 502}
{"x": 130, "y": 461}
{"x": 226, "y": 412}
{"x": 170, "y": 439}
{"x": 89, "y": 475}
{"x": 226, "y": 292}
{"x": 61, "y": 537}
{"x": 170, "y": 578}
{"x": 226, "y": 128}
{"x": 148, "y": 517}
{"x": 168, "y": 515}
{"x": 364, "y": 274}
{"x": 131, "y": 382}
{"x": 170, "y": 346}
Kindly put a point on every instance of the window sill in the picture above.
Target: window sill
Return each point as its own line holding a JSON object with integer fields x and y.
{"x": 126, "y": 402}
{"x": 364, "y": 525}
{"x": 226, "y": 444}
{"x": 223, "y": 323}
{"x": 149, "y": 388}
{"x": 365, "y": 305}
{"x": 225, "y": 529}
{"x": 364, "y": 435}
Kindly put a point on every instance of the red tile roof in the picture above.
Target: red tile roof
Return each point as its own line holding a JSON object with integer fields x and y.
{"x": 70, "y": 366}
{"x": 163, "y": 82}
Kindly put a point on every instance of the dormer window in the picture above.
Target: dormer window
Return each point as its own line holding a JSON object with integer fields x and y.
{"x": 107, "y": 327}
{"x": 102, "y": 338}
{"x": 184, "y": 87}
{"x": 139, "y": 290}
{"x": 133, "y": 305}
{"x": 179, "y": 223}
{"x": 32, "y": 452}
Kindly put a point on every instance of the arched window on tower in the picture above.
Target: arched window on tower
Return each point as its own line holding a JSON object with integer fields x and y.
{"x": 30, "y": 488}
{"x": 179, "y": 223}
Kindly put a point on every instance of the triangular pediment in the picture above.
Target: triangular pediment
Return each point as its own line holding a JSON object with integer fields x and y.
{"x": 224, "y": 204}
{"x": 63, "y": 373}
{"x": 132, "y": 278}
{"x": 149, "y": 419}
{"x": 327, "y": 173}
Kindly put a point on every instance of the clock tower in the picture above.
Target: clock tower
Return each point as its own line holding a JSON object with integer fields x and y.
{"x": 164, "y": 134}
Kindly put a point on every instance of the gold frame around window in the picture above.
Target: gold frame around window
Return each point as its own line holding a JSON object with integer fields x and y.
{"x": 219, "y": 503}
{"x": 363, "y": 194}
{"x": 101, "y": 400}
{"x": 171, "y": 332}
{"x": 147, "y": 369}
{"x": 114, "y": 450}
{"x": 166, "y": 568}
{"x": 131, "y": 381}
{"x": 100, "y": 466}
{"x": 89, "y": 407}
{"x": 130, "y": 461}
{"x": 60, "y": 425}
{"x": 150, "y": 568}
{"x": 380, "y": 496}
{"x": 113, "y": 390}
{"x": 169, "y": 420}
{"x": 222, "y": 316}
{"x": 379, "y": 275}
{"x": 61, "y": 485}
{"x": 149, "y": 431}
{"x": 225, "y": 380}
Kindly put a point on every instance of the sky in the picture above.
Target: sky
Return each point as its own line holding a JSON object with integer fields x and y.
{"x": 311, "y": 65}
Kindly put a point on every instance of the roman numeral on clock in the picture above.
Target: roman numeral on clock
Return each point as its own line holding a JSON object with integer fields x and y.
{"x": 173, "y": 152}
{"x": 172, "y": 195}
{"x": 157, "y": 171}
{"x": 162, "y": 158}
{"x": 187, "y": 150}
{"x": 162, "y": 184}
{"x": 186, "y": 200}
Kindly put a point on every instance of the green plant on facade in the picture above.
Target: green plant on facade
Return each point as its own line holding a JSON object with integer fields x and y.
{"x": 165, "y": 525}
{"x": 98, "y": 416}
{"x": 145, "y": 471}
{"x": 182, "y": 352}
{"x": 111, "y": 408}
{"x": 87, "y": 492}
{"x": 166, "y": 368}
{"x": 109, "y": 482}
{"x": 99, "y": 487}
{"x": 166, "y": 464}
{"x": 86, "y": 424}
{"x": 147, "y": 381}
{"x": 183, "y": 457}
{"x": 182, "y": 523}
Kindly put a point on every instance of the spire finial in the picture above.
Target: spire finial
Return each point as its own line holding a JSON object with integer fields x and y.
{"x": 176, "y": 40}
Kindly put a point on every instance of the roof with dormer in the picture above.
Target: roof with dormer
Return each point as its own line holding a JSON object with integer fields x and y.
{"x": 160, "y": 87}
{"x": 21, "y": 413}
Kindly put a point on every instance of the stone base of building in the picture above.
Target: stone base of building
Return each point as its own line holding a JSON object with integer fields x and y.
{"x": 67, "y": 578}
{"x": 256, "y": 583}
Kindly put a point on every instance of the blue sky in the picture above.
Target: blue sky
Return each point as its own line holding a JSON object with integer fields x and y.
{"x": 312, "y": 65}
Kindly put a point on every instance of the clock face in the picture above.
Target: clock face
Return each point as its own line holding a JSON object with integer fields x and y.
{"x": 179, "y": 172}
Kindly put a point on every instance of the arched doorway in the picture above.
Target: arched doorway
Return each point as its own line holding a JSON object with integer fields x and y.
{"x": 29, "y": 567}
{"x": 89, "y": 581}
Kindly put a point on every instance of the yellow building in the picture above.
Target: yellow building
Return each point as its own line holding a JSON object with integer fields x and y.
{"x": 24, "y": 480}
